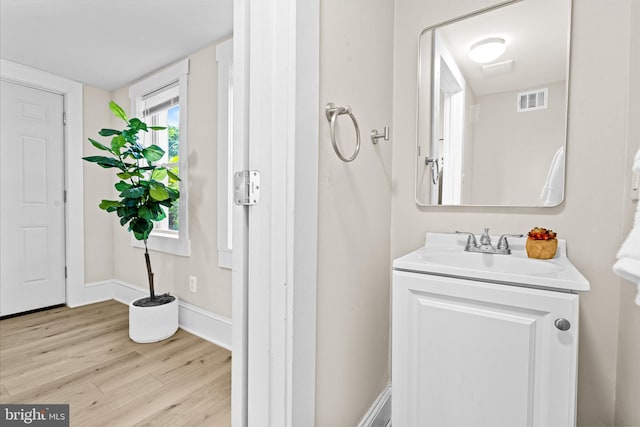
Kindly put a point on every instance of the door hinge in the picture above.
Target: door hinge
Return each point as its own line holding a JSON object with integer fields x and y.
{"x": 246, "y": 188}
{"x": 65, "y": 271}
{"x": 64, "y": 196}
{"x": 64, "y": 118}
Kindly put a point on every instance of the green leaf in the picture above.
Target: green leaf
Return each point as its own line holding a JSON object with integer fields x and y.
{"x": 96, "y": 159}
{"x": 106, "y": 162}
{"x": 141, "y": 236}
{"x": 109, "y": 132}
{"x": 121, "y": 186}
{"x": 117, "y": 143}
{"x": 141, "y": 225}
{"x": 159, "y": 174}
{"x": 132, "y": 153}
{"x": 106, "y": 204}
{"x": 98, "y": 145}
{"x": 159, "y": 215}
{"x": 157, "y": 127}
{"x": 131, "y": 202}
{"x": 128, "y": 211}
{"x": 131, "y": 135}
{"x": 130, "y": 174}
{"x": 158, "y": 191}
{"x": 173, "y": 193}
{"x": 144, "y": 212}
{"x": 154, "y": 207}
{"x": 118, "y": 111}
{"x": 153, "y": 153}
{"x": 133, "y": 192}
{"x": 137, "y": 125}
{"x": 173, "y": 176}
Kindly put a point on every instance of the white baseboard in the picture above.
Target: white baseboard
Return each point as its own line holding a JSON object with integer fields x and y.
{"x": 92, "y": 293}
{"x": 209, "y": 326}
{"x": 126, "y": 292}
{"x": 379, "y": 414}
{"x": 195, "y": 320}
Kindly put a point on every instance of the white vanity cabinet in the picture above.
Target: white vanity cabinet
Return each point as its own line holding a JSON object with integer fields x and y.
{"x": 468, "y": 352}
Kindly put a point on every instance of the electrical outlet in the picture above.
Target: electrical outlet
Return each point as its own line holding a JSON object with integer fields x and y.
{"x": 193, "y": 287}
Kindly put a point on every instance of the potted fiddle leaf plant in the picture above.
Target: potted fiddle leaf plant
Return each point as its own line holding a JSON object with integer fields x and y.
{"x": 143, "y": 199}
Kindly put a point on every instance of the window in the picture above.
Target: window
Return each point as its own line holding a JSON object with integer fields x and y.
{"x": 224, "y": 57}
{"x": 161, "y": 100}
{"x": 163, "y": 109}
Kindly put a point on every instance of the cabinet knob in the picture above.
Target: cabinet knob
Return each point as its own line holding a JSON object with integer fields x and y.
{"x": 562, "y": 324}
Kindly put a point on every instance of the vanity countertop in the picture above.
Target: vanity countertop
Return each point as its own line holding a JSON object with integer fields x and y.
{"x": 443, "y": 254}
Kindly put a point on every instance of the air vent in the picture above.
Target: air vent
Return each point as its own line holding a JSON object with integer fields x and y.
{"x": 533, "y": 100}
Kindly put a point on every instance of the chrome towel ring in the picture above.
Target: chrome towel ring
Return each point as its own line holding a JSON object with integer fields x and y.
{"x": 332, "y": 112}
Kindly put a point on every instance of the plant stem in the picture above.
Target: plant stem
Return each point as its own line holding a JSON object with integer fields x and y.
{"x": 152, "y": 293}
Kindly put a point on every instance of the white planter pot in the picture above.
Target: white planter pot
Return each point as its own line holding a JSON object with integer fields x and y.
{"x": 152, "y": 324}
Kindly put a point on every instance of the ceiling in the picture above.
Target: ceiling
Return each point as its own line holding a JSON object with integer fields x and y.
{"x": 536, "y": 34}
{"x": 109, "y": 43}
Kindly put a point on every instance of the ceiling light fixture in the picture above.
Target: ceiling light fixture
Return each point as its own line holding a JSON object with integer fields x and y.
{"x": 487, "y": 50}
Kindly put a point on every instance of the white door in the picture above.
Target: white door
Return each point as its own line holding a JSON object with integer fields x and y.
{"x": 32, "y": 251}
{"x": 469, "y": 353}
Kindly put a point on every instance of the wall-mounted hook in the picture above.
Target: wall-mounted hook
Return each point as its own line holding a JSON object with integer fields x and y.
{"x": 375, "y": 135}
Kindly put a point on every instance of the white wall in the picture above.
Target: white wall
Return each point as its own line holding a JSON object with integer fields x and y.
{"x": 353, "y": 288}
{"x": 590, "y": 217}
{"x": 171, "y": 272}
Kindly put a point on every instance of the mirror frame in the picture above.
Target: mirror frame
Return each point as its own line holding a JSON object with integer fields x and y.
{"x": 431, "y": 42}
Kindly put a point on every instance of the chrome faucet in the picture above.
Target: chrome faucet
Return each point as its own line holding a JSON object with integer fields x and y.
{"x": 485, "y": 245}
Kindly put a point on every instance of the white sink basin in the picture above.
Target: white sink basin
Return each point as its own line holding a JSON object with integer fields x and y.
{"x": 498, "y": 263}
{"x": 444, "y": 254}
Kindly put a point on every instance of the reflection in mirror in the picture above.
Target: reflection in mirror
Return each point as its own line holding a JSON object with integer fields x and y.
{"x": 492, "y": 106}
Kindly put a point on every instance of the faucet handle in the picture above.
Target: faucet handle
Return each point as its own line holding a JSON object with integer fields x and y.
{"x": 504, "y": 244}
{"x": 471, "y": 240}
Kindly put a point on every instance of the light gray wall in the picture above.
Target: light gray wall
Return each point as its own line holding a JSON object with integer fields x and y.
{"x": 468, "y": 149}
{"x": 98, "y": 185}
{"x": 596, "y": 172}
{"x": 171, "y": 272}
{"x": 354, "y": 200}
{"x": 628, "y": 370}
{"x": 523, "y": 144}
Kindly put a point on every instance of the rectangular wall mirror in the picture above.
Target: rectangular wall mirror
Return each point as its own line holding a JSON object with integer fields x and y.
{"x": 492, "y": 106}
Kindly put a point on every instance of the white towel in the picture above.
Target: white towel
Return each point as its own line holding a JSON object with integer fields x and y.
{"x": 628, "y": 264}
{"x": 553, "y": 189}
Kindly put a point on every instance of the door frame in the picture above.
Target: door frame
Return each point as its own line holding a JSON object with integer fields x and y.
{"x": 72, "y": 94}
{"x": 277, "y": 113}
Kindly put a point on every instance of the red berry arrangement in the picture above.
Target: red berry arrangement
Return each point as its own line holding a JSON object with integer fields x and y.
{"x": 539, "y": 233}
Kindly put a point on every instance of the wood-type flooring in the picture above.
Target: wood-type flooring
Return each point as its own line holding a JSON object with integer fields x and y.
{"x": 84, "y": 357}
